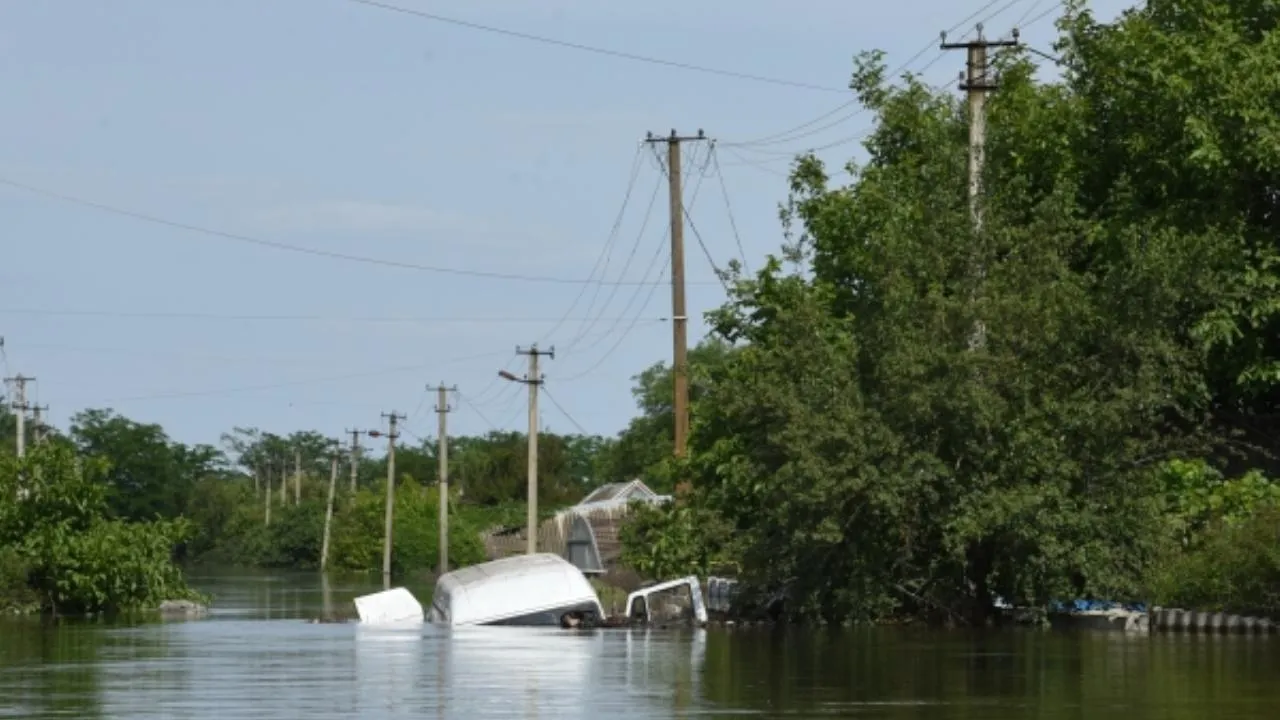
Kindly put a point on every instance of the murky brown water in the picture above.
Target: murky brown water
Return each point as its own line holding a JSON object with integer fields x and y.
{"x": 255, "y": 658}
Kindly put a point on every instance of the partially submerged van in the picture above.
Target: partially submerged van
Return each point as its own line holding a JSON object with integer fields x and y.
{"x": 539, "y": 589}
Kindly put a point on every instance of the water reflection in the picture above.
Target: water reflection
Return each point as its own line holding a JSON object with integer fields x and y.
{"x": 250, "y": 662}
{"x": 389, "y": 677}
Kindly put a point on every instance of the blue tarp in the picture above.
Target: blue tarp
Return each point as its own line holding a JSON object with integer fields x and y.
{"x": 1094, "y": 605}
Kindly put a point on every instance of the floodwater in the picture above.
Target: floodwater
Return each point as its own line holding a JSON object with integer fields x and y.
{"x": 255, "y": 657}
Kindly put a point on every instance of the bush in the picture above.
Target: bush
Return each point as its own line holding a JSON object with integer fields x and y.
{"x": 111, "y": 565}
{"x": 16, "y": 595}
{"x": 356, "y": 542}
{"x": 1234, "y": 568}
{"x": 674, "y": 540}
{"x": 54, "y": 531}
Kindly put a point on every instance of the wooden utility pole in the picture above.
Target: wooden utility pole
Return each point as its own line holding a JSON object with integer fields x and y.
{"x": 328, "y": 510}
{"x": 977, "y": 81}
{"x": 389, "y": 526}
{"x": 679, "y": 314}
{"x": 442, "y": 457}
{"x": 533, "y": 380}
{"x": 355, "y": 457}
{"x": 20, "y": 408}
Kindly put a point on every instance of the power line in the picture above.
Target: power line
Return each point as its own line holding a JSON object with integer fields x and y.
{"x": 757, "y": 164}
{"x": 512, "y": 418}
{"x": 152, "y": 352}
{"x": 705, "y": 250}
{"x": 583, "y": 330}
{"x": 1043, "y": 15}
{"x": 408, "y": 319}
{"x": 606, "y": 252}
{"x": 598, "y": 50}
{"x": 728, "y": 206}
{"x": 1027, "y": 13}
{"x": 476, "y": 410}
{"x": 293, "y": 383}
{"x": 697, "y": 187}
{"x": 564, "y": 412}
{"x": 494, "y": 381}
{"x": 421, "y": 401}
{"x": 612, "y": 349}
{"x": 348, "y": 257}
{"x": 790, "y": 134}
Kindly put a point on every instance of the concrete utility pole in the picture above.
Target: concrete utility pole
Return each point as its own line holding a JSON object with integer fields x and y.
{"x": 297, "y": 477}
{"x": 355, "y": 457}
{"x": 284, "y": 481}
{"x": 679, "y": 315}
{"x": 267, "y": 495}
{"x": 328, "y": 510}
{"x": 392, "y": 418}
{"x": 38, "y": 427}
{"x": 442, "y": 457}
{"x": 976, "y": 81}
{"x": 533, "y": 380}
{"x": 20, "y": 408}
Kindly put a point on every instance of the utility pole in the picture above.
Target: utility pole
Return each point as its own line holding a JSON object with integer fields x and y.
{"x": 442, "y": 457}
{"x": 297, "y": 477}
{"x": 267, "y": 495}
{"x": 976, "y": 81}
{"x": 328, "y": 510}
{"x": 37, "y": 423}
{"x": 355, "y": 457}
{"x": 679, "y": 315}
{"x": 389, "y": 526}
{"x": 284, "y": 481}
{"x": 533, "y": 380}
{"x": 20, "y": 408}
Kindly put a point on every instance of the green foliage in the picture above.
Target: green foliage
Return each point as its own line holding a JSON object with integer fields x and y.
{"x": 875, "y": 454}
{"x": 294, "y": 537}
{"x": 147, "y": 474}
{"x": 1233, "y": 567}
{"x": 1198, "y": 496}
{"x": 55, "y": 531}
{"x": 357, "y": 545}
{"x": 667, "y": 541}
{"x": 16, "y": 595}
{"x": 111, "y": 565}
{"x": 643, "y": 449}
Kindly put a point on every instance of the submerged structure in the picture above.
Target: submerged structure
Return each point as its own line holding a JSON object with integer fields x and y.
{"x": 541, "y": 589}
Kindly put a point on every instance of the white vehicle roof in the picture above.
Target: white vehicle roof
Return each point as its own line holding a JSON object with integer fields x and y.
{"x": 509, "y": 588}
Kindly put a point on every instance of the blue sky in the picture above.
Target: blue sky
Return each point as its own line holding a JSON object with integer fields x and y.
{"x": 350, "y": 129}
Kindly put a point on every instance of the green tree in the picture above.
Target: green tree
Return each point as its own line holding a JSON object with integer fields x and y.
{"x": 1178, "y": 128}
{"x": 870, "y": 457}
{"x": 54, "y": 523}
{"x": 644, "y": 449}
{"x": 147, "y": 474}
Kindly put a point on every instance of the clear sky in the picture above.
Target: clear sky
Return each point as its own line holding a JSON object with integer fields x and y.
{"x": 344, "y": 128}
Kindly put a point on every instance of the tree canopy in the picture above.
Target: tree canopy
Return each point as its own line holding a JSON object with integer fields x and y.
{"x": 872, "y": 460}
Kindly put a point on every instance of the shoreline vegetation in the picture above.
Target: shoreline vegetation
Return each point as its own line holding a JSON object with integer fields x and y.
{"x": 855, "y": 455}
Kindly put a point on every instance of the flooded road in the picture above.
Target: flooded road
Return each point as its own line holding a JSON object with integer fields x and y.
{"x": 254, "y": 657}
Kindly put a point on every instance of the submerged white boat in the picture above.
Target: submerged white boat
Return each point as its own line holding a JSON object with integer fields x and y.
{"x": 541, "y": 589}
